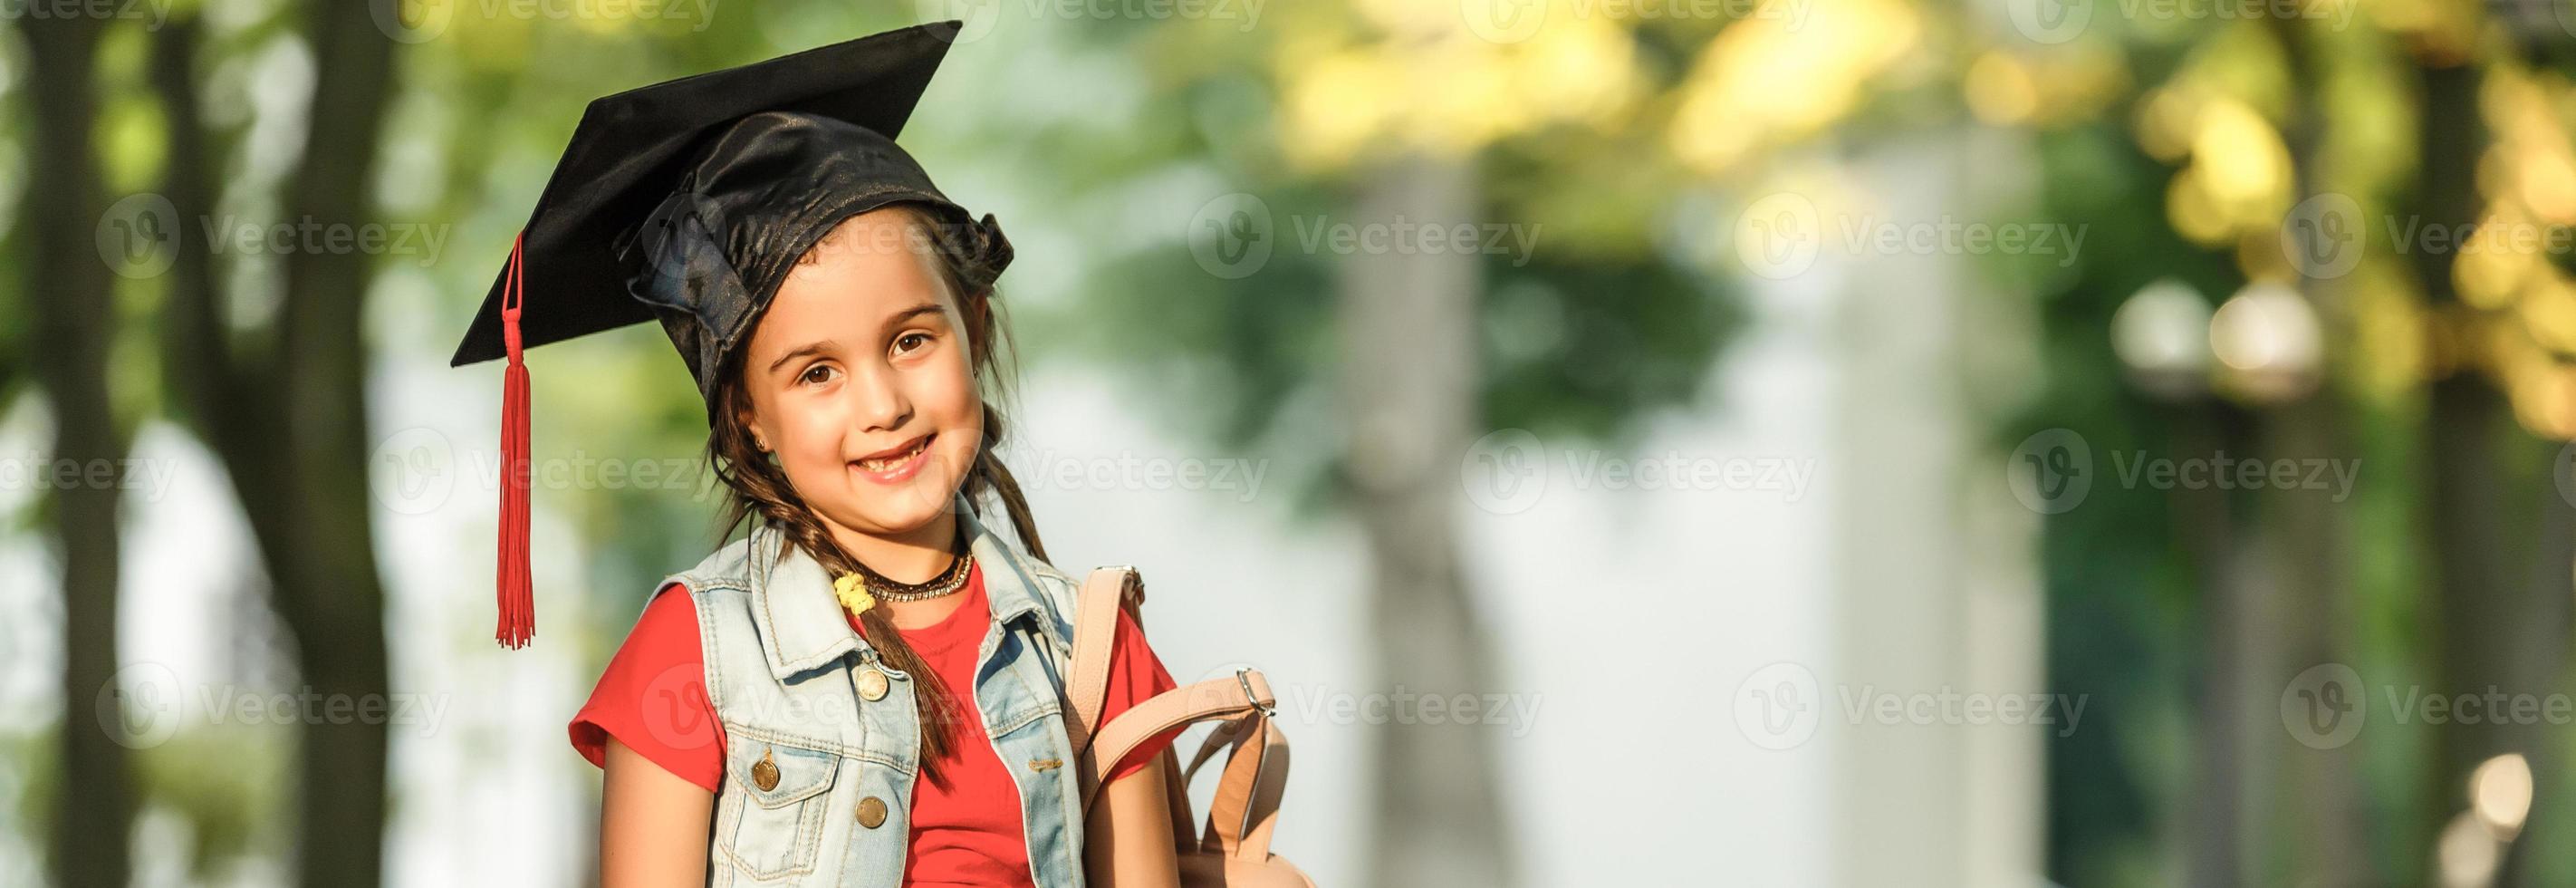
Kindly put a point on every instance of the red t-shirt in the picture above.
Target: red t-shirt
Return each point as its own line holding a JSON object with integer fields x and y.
{"x": 966, "y": 826}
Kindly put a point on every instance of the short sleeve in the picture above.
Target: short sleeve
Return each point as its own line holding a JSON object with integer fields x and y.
{"x": 653, "y": 696}
{"x": 1135, "y": 675}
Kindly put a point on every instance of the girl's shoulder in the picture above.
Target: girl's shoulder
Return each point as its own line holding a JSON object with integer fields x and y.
{"x": 733, "y": 566}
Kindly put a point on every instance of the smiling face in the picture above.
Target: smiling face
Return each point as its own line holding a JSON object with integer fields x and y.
{"x": 860, "y": 379}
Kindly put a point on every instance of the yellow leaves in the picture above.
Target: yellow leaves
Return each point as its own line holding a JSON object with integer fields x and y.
{"x": 1335, "y": 106}
{"x": 1769, "y": 81}
{"x": 2531, "y": 161}
{"x": 1433, "y": 85}
{"x": 2001, "y": 90}
{"x": 2066, "y": 83}
{"x": 2548, "y": 310}
{"x": 2389, "y": 330}
{"x": 2522, "y": 307}
{"x": 2239, "y": 177}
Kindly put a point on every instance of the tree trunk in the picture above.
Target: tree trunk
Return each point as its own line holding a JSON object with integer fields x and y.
{"x": 291, "y": 426}
{"x": 2319, "y": 822}
{"x": 2474, "y": 597}
{"x": 73, "y": 308}
{"x": 1408, "y": 364}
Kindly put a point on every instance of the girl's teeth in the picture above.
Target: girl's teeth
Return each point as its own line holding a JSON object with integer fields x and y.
{"x": 880, "y": 465}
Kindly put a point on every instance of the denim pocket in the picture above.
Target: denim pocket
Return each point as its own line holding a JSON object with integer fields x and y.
{"x": 780, "y": 793}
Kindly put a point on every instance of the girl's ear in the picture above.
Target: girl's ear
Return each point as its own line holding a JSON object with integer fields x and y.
{"x": 746, "y": 418}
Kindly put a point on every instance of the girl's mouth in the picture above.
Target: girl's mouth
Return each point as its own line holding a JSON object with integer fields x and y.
{"x": 896, "y": 465}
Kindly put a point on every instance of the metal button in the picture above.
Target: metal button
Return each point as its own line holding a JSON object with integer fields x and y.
{"x": 871, "y": 812}
{"x": 764, "y": 773}
{"x": 872, "y": 683}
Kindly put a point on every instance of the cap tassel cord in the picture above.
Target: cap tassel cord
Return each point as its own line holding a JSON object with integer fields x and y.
{"x": 518, "y": 618}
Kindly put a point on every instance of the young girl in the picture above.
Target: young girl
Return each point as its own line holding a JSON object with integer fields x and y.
{"x": 865, "y": 689}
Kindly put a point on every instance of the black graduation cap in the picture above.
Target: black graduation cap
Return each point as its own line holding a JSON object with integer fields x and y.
{"x": 688, "y": 202}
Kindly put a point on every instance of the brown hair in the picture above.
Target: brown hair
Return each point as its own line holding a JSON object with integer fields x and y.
{"x": 761, "y": 490}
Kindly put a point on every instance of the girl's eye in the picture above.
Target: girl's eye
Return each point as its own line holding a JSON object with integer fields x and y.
{"x": 910, "y": 341}
{"x": 816, "y": 375}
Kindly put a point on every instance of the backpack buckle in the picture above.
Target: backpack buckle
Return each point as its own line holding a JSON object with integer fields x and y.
{"x": 1243, "y": 676}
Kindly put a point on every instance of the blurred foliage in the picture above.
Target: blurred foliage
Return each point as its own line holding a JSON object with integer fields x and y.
{"x": 1604, "y": 319}
{"x": 2182, "y": 145}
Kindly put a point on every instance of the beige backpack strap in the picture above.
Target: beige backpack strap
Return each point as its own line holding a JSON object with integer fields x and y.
{"x": 1243, "y": 694}
{"x": 1095, "y": 626}
{"x": 1246, "y": 807}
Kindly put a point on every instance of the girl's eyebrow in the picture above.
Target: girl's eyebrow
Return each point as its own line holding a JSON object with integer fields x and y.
{"x": 913, "y": 312}
{"x": 810, "y": 348}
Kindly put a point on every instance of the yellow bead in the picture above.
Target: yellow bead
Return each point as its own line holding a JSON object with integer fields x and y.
{"x": 853, "y": 591}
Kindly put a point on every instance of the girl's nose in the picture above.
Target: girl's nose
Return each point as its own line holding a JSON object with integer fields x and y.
{"x": 880, "y": 402}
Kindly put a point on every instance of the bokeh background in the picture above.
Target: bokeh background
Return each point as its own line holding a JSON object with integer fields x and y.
{"x": 1647, "y": 442}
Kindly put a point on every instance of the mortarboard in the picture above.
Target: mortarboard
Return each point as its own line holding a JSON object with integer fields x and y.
{"x": 687, "y": 202}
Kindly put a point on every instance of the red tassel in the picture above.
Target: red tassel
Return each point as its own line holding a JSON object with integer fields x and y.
{"x": 518, "y": 611}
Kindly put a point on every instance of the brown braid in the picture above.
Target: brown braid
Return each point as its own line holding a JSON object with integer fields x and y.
{"x": 761, "y": 489}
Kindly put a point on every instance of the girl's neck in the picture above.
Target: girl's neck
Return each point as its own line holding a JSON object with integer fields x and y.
{"x": 915, "y": 557}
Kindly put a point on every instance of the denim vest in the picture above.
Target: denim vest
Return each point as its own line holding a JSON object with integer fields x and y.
{"x": 822, "y": 738}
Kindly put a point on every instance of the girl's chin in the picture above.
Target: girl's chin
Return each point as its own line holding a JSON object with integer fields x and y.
{"x": 900, "y": 509}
